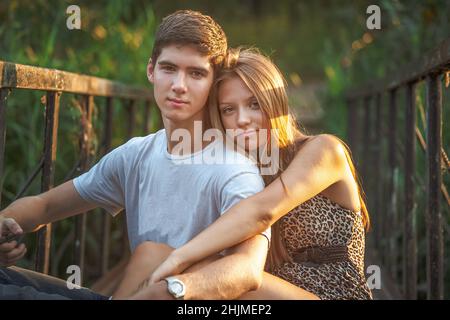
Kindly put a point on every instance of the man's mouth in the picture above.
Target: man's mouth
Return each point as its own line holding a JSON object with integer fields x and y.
{"x": 176, "y": 101}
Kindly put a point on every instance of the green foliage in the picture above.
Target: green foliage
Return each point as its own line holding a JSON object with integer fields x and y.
{"x": 311, "y": 41}
{"x": 115, "y": 42}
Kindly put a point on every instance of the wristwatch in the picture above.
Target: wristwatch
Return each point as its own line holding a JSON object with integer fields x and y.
{"x": 176, "y": 287}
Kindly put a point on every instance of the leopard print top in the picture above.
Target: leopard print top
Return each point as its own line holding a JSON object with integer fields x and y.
{"x": 321, "y": 222}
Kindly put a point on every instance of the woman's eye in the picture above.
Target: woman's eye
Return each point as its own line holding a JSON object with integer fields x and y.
{"x": 254, "y": 105}
{"x": 227, "y": 110}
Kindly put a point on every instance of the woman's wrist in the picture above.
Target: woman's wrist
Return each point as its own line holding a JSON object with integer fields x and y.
{"x": 179, "y": 258}
{"x": 182, "y": 258}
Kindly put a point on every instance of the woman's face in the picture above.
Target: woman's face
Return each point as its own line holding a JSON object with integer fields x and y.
{"x": 241, "y": 114}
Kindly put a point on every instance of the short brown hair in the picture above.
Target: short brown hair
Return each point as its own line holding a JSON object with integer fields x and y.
{"x": 187, "y": 27}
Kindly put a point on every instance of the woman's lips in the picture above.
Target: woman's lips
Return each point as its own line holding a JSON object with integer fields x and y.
{"x": 246, "y": 133}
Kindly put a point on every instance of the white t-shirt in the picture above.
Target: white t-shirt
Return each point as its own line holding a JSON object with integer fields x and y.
{"x": 167, "y": 200}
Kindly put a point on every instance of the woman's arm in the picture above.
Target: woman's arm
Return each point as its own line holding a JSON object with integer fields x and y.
{"x": 319, "y": 164}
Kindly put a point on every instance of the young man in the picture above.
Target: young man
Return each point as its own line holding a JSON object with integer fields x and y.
{"x": 166, "y": 200}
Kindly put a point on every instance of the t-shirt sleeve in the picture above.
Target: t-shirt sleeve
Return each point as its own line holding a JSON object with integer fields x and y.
{"x": 241, "y": 186}
{"x": 103, "y": 183}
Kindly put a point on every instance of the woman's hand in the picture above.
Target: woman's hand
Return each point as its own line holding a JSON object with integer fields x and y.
{"x": 173, "y": 265}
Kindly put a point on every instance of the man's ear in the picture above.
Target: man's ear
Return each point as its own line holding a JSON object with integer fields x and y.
{"x": 150, "y": 70}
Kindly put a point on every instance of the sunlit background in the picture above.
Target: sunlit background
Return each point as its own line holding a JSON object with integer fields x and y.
{"x": 323, "y": 48}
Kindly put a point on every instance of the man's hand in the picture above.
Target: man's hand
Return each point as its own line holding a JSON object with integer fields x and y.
{"x": 10, "y": 252}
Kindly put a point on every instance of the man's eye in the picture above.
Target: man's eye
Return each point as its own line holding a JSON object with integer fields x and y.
{"x": 168, "y": 68}
{"x": 197, "y": 74}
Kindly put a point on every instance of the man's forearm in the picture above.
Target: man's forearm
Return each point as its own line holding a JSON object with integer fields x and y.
{"x": 231, "y": 276}
{"x": 58, "y": 203}
{"x": 27, "y": 212}
{"x": 226, "y": 278}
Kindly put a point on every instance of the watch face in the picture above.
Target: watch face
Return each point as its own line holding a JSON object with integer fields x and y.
{"x": 177, "y": 288}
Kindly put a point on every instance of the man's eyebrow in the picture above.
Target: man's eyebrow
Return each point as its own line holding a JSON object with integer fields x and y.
{"x": 199, "y": 69}
{"x": 193, "y": 68}
{"x": 167, "y": 63}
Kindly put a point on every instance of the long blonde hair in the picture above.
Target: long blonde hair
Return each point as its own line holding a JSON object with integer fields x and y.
{"x": 268, "y": 85}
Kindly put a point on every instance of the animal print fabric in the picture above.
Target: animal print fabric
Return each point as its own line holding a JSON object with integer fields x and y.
{"x": 321, "y": 222}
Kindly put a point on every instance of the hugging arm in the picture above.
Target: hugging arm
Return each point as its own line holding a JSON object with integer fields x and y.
{"x": 217, "y": 277}
{"x": 319, "y": 164}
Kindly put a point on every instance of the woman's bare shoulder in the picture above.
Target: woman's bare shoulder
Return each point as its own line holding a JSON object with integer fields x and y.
{"x": 322, "y": 144}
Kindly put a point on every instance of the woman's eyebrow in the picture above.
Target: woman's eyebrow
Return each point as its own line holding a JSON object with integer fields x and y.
{"x": 250, "y": 98}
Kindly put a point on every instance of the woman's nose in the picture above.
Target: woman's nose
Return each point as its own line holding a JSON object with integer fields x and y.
{"x": 243, "y": 118}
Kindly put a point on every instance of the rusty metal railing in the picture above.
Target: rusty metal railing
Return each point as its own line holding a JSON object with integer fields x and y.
{"x": 56, "y": 82}
{"x": 369, "y": 143}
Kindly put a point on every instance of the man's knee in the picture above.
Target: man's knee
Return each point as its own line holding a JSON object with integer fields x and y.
{"x": 148, "y": 253}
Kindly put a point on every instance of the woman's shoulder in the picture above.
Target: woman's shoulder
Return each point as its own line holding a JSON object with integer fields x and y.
{"x": 322, "y": 142}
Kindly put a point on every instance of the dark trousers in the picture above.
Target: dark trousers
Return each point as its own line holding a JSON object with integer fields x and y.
{"x": 21, "y": 284}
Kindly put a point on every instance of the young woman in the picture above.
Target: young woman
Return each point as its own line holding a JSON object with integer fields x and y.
{"x": 313, "y": 201}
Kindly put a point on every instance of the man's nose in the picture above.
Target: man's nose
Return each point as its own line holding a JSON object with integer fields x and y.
{"x": 179, "y": 83}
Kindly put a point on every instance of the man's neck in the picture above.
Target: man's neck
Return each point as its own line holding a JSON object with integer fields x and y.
{"x": 193, "y": 128}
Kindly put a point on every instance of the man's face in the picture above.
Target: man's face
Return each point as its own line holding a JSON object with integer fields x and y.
{"x": 181, "y": 78}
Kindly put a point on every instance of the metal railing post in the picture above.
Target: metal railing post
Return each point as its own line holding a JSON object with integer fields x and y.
{"x": 409, "y": 240}
{"x": 435, "y": 253}
{"x": 48, "y": 171}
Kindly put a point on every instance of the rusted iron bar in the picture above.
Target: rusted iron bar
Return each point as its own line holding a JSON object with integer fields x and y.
{"x": 106, "y": 217}
{"x": 80, "y": 220}
{"x": 30, "y": 179}
{"x": 435, "y": 253}
{"x": 434, "y": 61}
{"x": 72, "y": 171}
{"x": 131, "y": 110}
{"x": 147, "y": 110}
{"x": 48, "y": 171}
{"x": 409, "y": 240}
{"x": 391, "y": 192}
{"x": 366, "y": 146}
{"x": 351, "y": 123}
{"x": 424, "y": 148}
{"x": 14, "y": 75}
{"x": 3, "y": 98}
{"x": 378, "y": 211}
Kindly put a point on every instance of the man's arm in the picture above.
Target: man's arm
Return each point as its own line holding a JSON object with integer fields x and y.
{"x": 58, "y": 203}
{"x": 30, "y": 213}
{"x": 238, "y": 272}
